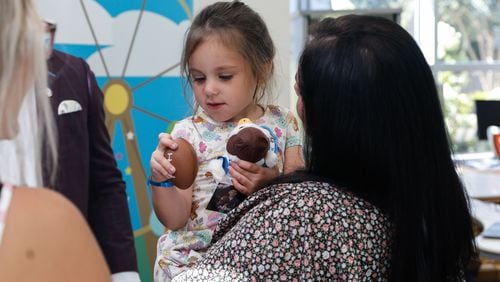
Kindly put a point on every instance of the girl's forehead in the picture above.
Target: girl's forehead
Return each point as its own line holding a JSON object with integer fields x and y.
{"x": 216, "y": 52}
{"x": 226, "y": 41}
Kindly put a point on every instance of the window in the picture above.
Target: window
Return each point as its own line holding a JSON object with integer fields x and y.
{"x": 467, "y": 65}
{"x": 461, "y": 41}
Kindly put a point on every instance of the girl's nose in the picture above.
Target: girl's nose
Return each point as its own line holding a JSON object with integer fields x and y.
{"x": 211, "y": 88}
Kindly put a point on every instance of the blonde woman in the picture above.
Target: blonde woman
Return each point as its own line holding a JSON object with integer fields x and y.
{"x": 43, "y": 237}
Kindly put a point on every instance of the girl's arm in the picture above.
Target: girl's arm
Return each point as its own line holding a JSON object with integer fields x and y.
{"x": 293, "y": 159}
{"x": 172, "y": 205}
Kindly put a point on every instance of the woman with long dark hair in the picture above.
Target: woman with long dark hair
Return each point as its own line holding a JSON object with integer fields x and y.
{"x": 379, "y": 198}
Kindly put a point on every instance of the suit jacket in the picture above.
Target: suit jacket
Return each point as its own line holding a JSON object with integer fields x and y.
{"x": 87, "y": 171}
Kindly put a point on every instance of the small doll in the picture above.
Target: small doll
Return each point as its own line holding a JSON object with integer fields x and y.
{"x": 248, "y": 142}
{"x": 252, "y": 143}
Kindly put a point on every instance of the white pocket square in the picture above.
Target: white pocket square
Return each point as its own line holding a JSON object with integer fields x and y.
{"x": 68, "y": 106}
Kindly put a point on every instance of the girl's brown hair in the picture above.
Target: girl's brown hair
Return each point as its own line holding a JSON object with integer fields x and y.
{"x": 240, "y": 27}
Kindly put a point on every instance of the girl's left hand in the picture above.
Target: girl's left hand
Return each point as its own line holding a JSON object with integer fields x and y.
{"x": 249, "y": 177}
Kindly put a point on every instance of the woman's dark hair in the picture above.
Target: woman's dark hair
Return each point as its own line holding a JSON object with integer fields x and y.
{"x": 374, "y": 125}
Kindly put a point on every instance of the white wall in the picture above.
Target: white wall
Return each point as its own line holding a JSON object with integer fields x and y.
{"x": 276, "y": 14}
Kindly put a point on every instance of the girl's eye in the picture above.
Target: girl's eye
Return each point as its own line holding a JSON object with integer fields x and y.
{"x": 225, "y": 77}
{"x": 198, "y": 79}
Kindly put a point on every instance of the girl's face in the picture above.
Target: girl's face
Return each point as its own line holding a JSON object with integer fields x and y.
{"x": 222, "y": 81}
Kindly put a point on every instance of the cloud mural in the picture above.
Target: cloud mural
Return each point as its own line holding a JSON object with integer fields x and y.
{"x": 139, "y": 40}
{"x": 149, "y": 56}
{"x": 72, "y": 24}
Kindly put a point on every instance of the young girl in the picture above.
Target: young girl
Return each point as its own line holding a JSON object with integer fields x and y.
{"x": 228, "y": 59}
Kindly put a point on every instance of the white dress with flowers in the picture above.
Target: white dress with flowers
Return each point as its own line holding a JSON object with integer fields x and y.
{"x": 177, "y": 250}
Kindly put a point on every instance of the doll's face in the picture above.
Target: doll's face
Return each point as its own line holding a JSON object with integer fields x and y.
{"x": 249, "y": 144}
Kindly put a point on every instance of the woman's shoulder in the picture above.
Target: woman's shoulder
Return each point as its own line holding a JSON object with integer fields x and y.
{"x": 342, "y": 223}
{"x": 35, "y": 205}
{"x": 40, "y": 209}
{"x": 45, "y": 230}
{"x": 44, "y": 201}
{"x": 324, "y": 196}
{"x": 321, "y": 204}
{"x": 308, "y": 220}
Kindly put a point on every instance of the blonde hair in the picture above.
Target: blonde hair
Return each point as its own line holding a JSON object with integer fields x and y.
{"x": 22, "y": 66}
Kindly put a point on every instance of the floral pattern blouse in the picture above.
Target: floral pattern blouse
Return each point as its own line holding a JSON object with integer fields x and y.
{"x": 181, "y": 248}
{"x": 298, "y": 232}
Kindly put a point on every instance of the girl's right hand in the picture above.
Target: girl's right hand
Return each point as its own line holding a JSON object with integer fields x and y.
{"x": 172, "y": 206}
{"x": 161, "y": 168}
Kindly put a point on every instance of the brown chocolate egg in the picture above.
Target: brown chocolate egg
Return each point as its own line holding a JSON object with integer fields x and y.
{"x": 185, "y": 162}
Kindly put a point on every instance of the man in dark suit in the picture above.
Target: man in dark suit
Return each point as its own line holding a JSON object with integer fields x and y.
{"x": 87, "y": 171}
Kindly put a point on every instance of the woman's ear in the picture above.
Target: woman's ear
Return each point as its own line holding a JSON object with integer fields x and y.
{"x": 300, "y": 103}
{"x": 300, "y": 108}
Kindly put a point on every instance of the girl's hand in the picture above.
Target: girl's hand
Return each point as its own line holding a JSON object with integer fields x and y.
{"x": 249, "y": 177}
{"x": 161, "y": 168}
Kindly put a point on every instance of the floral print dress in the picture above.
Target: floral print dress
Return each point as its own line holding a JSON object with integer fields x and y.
{"x": 179, "y": 249}
{"x": 298, "y": 232}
